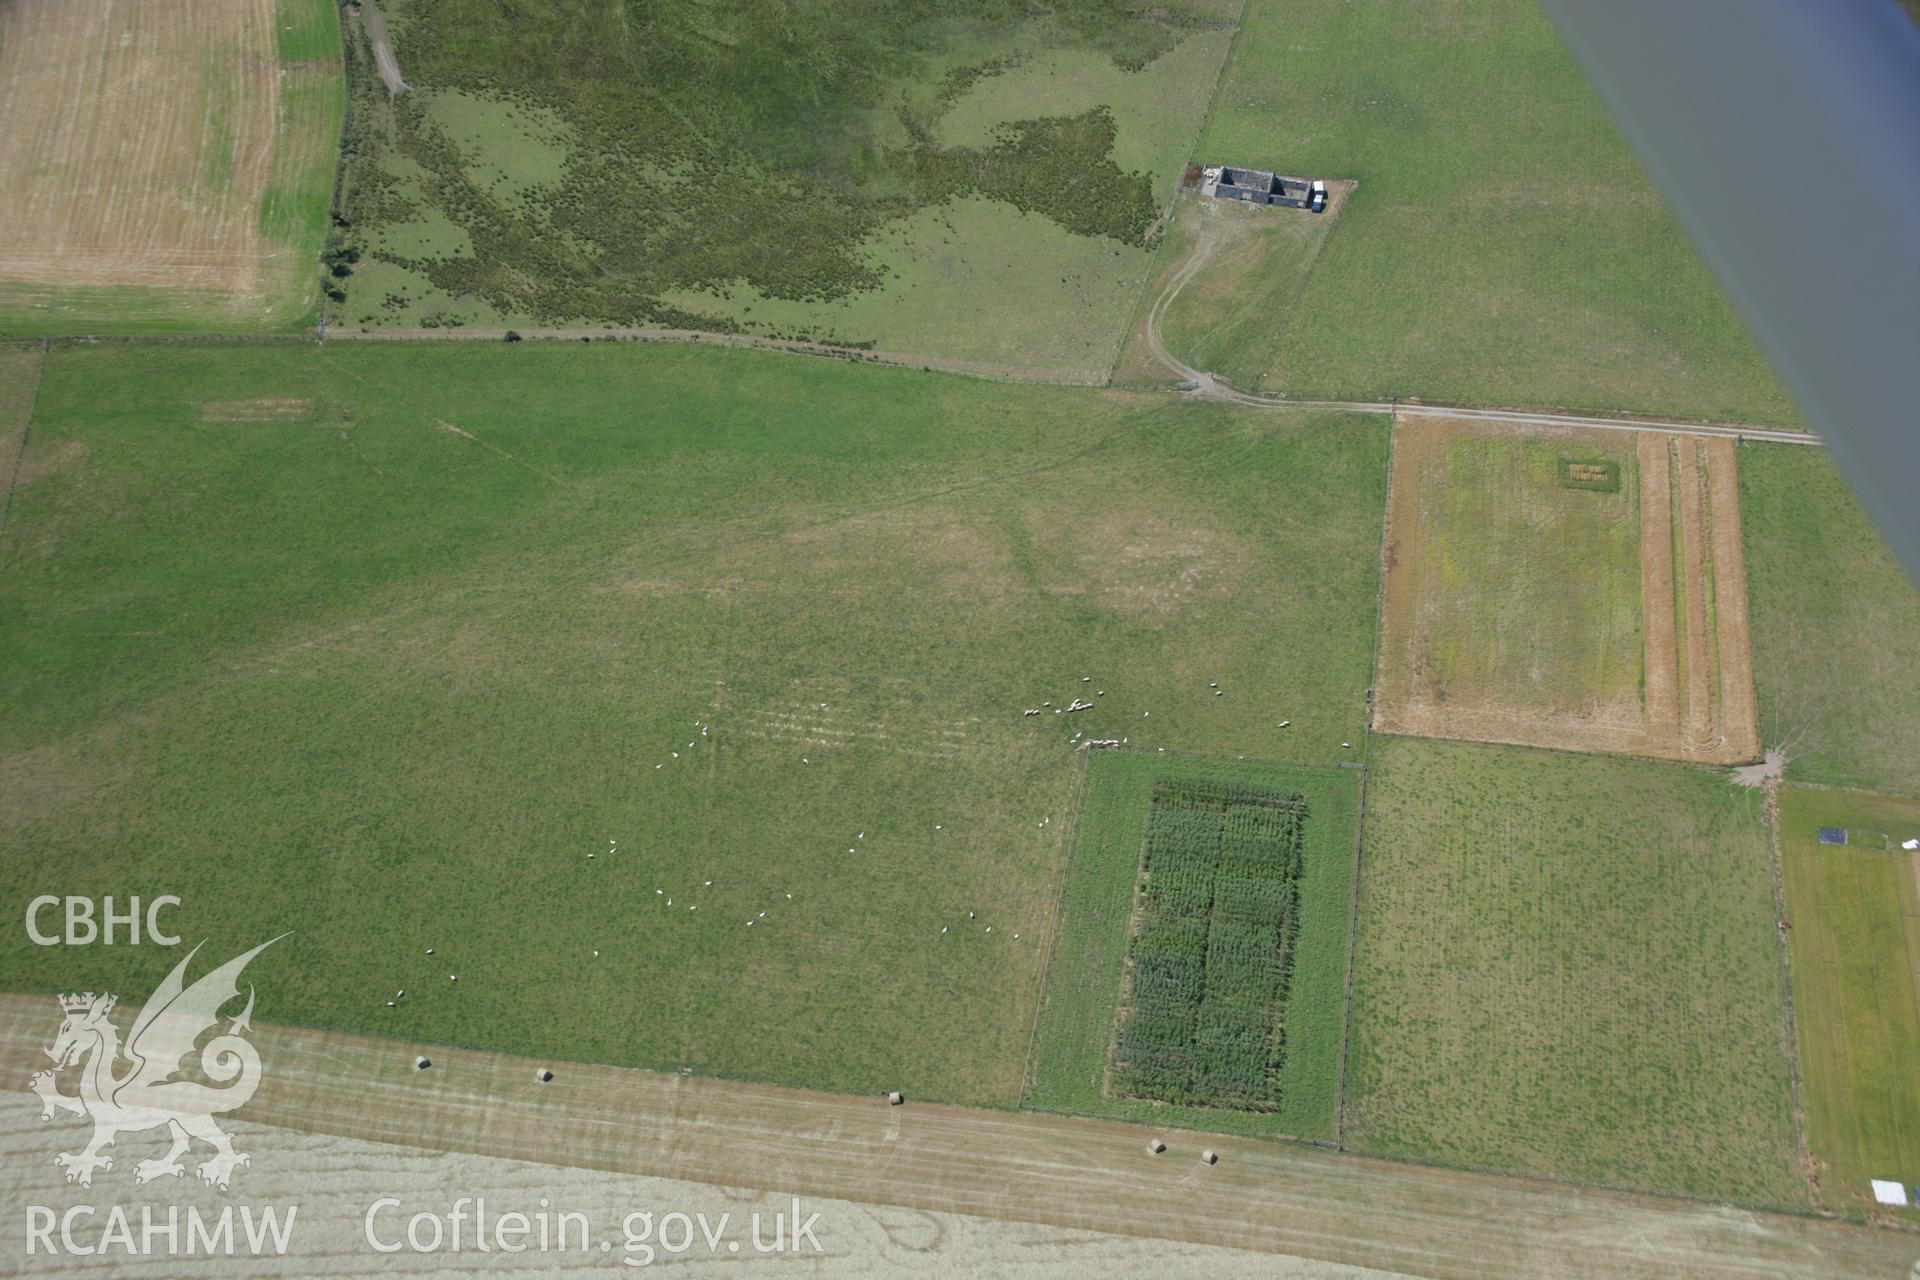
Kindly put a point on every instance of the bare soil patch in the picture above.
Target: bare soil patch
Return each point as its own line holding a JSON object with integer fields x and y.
{"x": 1694, "y": 699}
{"x": 287, "y": 409}
{"x": 1738, "y": 708}
{"x": 1656, "y": 569}
{"x": 955, "y": 553}
{"x": 383, "y": 59}
{"x": 1140, "y": 562}
{"x": 39, "y": 463}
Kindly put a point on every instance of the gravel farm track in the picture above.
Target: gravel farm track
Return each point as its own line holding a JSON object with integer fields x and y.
{"x": 1199, "y": 384}
{"x": 1076, "y": 1174}
{"x": 1203, "y": 384}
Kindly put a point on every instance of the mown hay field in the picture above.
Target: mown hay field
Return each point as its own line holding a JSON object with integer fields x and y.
{"x": 1503, "y": 246}
{"x": 1855, "y": 938}
{"x": 1568, "y": 966}
{"x": 379, "y": 642}
{"x": 167, "y": 165}
{"x": 1093, "y": 980}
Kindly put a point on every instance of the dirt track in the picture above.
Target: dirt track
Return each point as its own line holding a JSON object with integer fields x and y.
{"x": 383, "y": 59}
{"x": 1072, "y": 1173}
{"x": 1738, "y": 705}
{"x": 333, "y": 1182}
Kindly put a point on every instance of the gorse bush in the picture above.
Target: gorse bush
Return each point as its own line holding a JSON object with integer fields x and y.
{"x": 758, "y": 143}
{"x": 1219, "y": 907}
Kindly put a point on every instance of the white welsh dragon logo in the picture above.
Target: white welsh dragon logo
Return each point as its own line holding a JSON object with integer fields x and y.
{"x": 147, "y": 1093}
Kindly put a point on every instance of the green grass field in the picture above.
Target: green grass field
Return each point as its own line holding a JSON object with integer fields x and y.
{"x": 1566, "y": 965}
{"x": 377, "y": 642}
{"x": 969, "y": 182}
{"x": 1834, "y": 626}
{"x": 1075, "y": 1037}
{"x": 1855, "y": 941}
{"x": 1503, "y": 246}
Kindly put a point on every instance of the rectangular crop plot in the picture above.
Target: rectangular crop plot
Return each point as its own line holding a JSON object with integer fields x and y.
{"x": 1219, "y": 912}
{"x": 1583, "y": 590}
{"x": 1854, "y": 910}
{"x": 1598, "y": 475}
{"x": 1176, "y": 856}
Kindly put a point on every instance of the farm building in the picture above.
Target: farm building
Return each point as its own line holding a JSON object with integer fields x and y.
{"x": 1257, "y": 186}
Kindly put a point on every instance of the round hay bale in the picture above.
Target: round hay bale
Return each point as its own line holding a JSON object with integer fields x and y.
{"x": 1155, "y": 1146}
{"x": 421, "y": 1063}
{"x": 544, "y": 1076}
{"x": 896, "y": 1098}
{"x": 1209, "y": 1157}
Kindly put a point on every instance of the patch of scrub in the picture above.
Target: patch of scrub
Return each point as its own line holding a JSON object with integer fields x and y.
{"x": 418, "y": 303}
{"x": 1154, "y": 107}
{"x": 689, "y": 178}
{"x": 972, "y": 280}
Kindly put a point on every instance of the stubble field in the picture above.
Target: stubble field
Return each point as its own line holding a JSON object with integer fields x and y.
{"x": 167, "y": 165}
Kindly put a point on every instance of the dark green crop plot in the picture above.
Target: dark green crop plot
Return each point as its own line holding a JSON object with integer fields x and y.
{"x": 1199, "y": 974}
{"x": 1596, "y": 475}
{"x": 1218, "y": 917}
